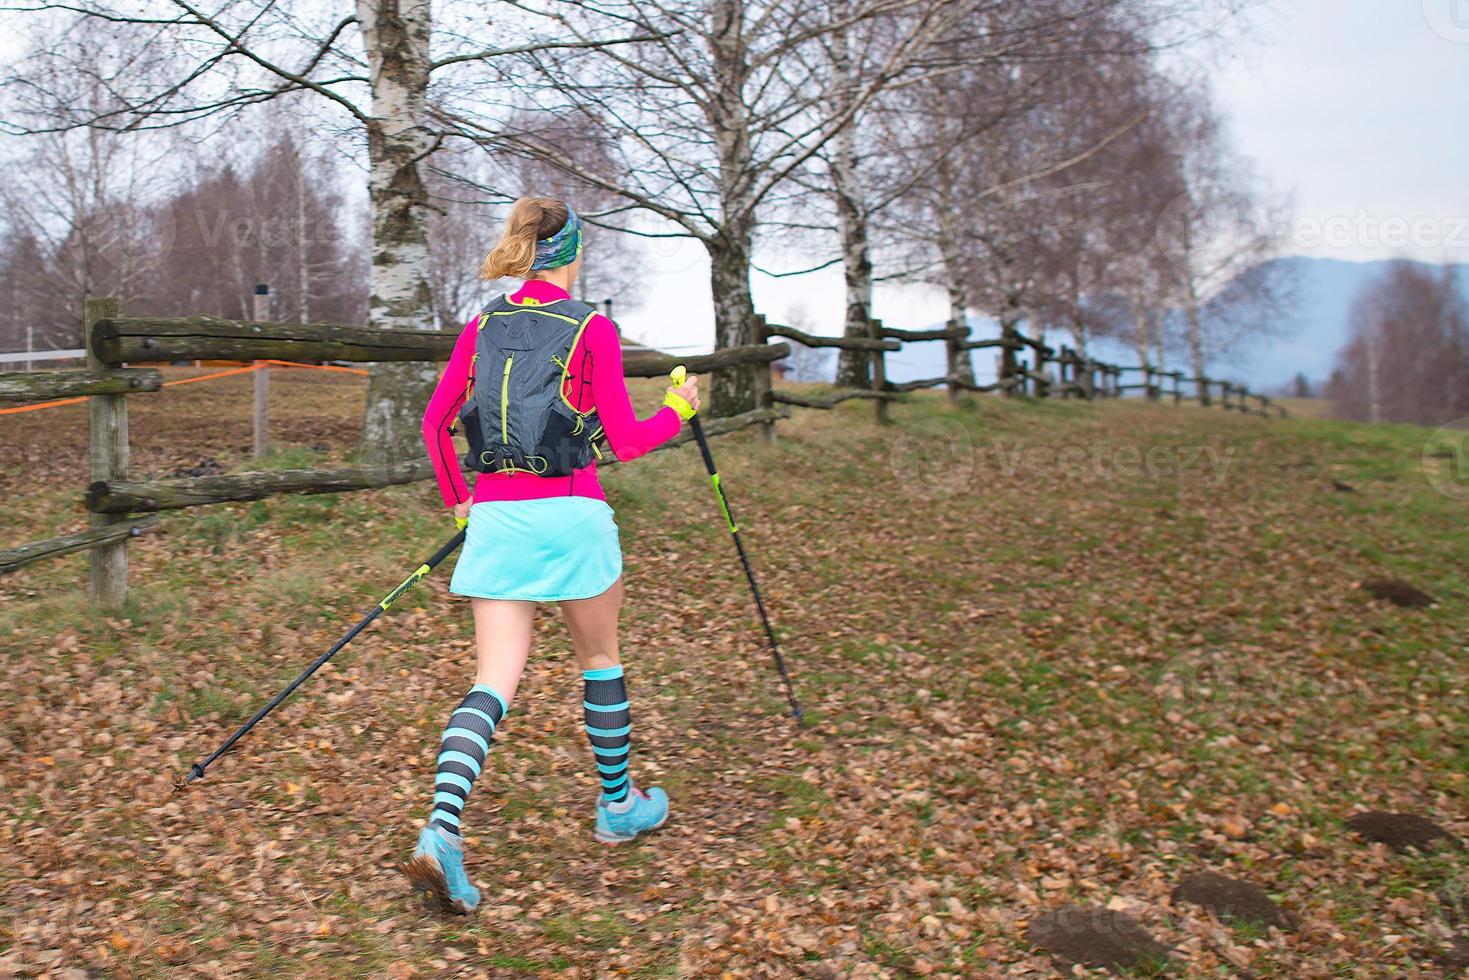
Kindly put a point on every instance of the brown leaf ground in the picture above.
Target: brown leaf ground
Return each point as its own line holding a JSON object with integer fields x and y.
{"x": 1072, "y": 676}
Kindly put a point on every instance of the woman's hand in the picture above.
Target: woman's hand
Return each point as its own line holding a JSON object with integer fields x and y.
{"x": 689, "y": 391}
{"x": 461, "y": 509}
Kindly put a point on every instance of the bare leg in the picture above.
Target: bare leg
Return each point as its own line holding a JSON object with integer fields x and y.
{"x": 593, "y": 626}
{"x": 502, "y": 630}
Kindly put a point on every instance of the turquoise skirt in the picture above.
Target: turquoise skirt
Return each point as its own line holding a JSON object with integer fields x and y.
{"x": 546, "y": 550}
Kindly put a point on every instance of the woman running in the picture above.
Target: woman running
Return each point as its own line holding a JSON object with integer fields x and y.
{"x": 535, "y": 380}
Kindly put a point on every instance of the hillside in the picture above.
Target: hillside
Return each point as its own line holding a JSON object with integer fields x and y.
{"x": 1053, "y": 654}
{"x": 1322, "y": 326}
{"x": 1308, "y": 344}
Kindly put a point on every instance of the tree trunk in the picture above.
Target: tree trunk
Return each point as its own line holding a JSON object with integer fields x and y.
{"x": 732, "y": 244}
{"x": 395, "y": 33}
{"x": 1191, "y": 308}
{"x": 1374, "y": 399}
{"x": 1010, "y": 365}
{"x": 303, "y": 269}
{"x": 853, "y": 366}
{"x": 960, "y": 363}
{"x": 1141, "y": 339}
{"x": 733, "y": 391}
{"x": 1195, "y": 333}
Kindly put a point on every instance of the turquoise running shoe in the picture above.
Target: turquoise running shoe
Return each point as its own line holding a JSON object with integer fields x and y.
{"x": 649, "y": 811}
{"x": 437, "y": 870}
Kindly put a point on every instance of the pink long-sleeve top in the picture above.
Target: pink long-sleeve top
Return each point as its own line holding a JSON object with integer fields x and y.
{"x": 595, "y": 381}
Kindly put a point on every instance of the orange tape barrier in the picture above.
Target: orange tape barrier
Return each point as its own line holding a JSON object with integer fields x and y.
{"x": 40, "y": 405}
{"x": 320, "y": 367}
{"x": 186, "y": 381}
{"x": 211, "y": 377}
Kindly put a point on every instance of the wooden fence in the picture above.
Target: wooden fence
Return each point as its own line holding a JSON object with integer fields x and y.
{"x": 121, "y": 508}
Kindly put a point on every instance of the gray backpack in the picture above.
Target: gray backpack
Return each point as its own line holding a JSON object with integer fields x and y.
{"x": 518, "y": 420}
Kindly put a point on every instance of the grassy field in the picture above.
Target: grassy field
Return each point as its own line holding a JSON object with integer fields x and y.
{"x": 1052, "y": 654}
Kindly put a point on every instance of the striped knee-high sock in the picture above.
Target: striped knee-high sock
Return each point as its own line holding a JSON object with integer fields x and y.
{"x": 608, "y": 725}
{"x": 462, "y": 754}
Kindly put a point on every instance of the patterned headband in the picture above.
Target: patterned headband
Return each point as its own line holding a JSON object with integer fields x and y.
{"x": 561, "y": 248}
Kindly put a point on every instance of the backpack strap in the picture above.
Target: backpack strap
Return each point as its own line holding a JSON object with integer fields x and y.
{"x": 581, "y": 328}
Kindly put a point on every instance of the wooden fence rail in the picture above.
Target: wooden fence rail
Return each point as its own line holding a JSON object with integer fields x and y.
{"x": 831, "y": 401}
{"x": 121, "y": 497}
{"x": 14, "y": 558}
{"x": 947, "y": 333}
{"x": 121, "y": 508}
{"x": 845, "y": 343}
{"x": 43, "y": 386}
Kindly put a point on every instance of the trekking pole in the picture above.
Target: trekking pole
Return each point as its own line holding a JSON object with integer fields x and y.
{"x": 677, "y": 376}
{"x": 197, "y": 771}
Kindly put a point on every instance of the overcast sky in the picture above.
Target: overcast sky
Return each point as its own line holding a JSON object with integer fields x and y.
{"x": 1358, "y": 109}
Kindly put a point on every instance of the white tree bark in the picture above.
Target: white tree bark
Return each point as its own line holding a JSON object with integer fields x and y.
{"x": 396, "y": 35}
{"x": 1374, "y": 391}
{"x": 960, "y": 363}
{"x": 853, "y": 367}
{"x": 731, "y": 247}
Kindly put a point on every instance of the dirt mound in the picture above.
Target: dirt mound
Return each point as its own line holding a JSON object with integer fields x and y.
{"x": 1398, "y": 592}
{"x": 1095, "y": 937}
{"x": 1231, "y": 898}
{"x": 1399, "y": 831}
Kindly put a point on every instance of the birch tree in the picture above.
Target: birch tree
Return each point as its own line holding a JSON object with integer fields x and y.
{"x": 1407, "y": 359}
{"x": 82, "y": 200}
{"x": 366, "y": 66}
{"x": 708, "y": 119}
{"x": 999, "y": 157}
{"x": 270, "y": 213}
{"x": 1217, "y": 235}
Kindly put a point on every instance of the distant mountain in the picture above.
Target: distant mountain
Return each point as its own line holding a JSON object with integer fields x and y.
{"x": 1327, "y": 288}
{"x": 1322, "y": 323}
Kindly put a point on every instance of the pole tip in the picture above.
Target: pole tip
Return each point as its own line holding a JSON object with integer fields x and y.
{"x": 196, "y": 771}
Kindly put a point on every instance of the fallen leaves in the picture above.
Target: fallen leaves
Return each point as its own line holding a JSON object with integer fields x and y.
{"x": 994, "y": 738}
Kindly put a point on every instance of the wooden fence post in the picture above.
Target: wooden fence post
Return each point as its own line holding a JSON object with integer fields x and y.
{"x": 879, "y": 372}
{"x": 108, "y": 418}
{"x": 1010, "y": 366}
{"x": 261, "y": 313}
{"x": 1202, "y": 384}
{"x": 1177, "y": 394}
{"x": 764, "y": 373}
{"x": 952, "y": 353}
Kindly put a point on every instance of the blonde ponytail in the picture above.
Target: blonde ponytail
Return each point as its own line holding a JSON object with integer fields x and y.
{"x": 531, "y": 219}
